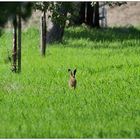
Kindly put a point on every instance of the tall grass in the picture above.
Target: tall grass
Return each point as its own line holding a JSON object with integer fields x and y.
{"x": 106, "y": 103}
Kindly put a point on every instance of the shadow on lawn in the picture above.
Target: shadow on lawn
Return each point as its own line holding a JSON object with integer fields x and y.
{"x": 106, "y": 34}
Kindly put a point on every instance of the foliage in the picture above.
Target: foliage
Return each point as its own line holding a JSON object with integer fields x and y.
{"x": 114, "y": 4}
{"x": 63, "y": 11}
{"x": 111, "y": 3}
{"x": 42, "y": 5}
{"x": 9, "y": 9}
{"x": 57, "y": 10}
{"x": 38, "y": 103}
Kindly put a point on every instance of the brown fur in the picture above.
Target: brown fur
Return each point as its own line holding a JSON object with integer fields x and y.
{"x": 72, "y": 80}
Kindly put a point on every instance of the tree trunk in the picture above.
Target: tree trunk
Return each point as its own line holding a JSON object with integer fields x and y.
{"x": 19, "y": 43}
{"x": 14, "y": 55}
{"x": 89, "y": 17}
{"x": 81, "y": 15}
{"x": 43, "y": 34}
{"x": 96, "y": 15}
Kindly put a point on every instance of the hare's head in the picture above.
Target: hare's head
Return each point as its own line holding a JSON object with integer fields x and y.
{"x": 72, "y": 73}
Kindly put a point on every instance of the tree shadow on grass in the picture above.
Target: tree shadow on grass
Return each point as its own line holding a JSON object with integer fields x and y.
{"x": 119, "y": 34}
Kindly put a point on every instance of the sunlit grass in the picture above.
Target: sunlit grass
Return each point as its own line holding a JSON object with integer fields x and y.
{"x": 106, "y": 103}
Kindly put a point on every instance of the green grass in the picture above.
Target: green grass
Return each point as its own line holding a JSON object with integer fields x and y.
{"x": 106, "y": 103}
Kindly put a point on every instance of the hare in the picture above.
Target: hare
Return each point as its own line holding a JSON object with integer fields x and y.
{"x": 72, "y": 81}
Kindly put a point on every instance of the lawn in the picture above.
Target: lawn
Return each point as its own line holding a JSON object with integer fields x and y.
{"x": 37, "y": 103}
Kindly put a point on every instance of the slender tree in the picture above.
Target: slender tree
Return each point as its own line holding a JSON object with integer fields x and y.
{"x": 14, "y": 55}
{"x": 43, "y": 33}
{"x": 43, "y": 7}
{"x": 89, "y": 16}
{"x": 79, "y": 17}
{"x": 14, "y": 12}
{"x": 19, "y": 43}
{"x": 82, "y": 12}
{"x": 23, "y": 11}
{"x": 96, "y": 15}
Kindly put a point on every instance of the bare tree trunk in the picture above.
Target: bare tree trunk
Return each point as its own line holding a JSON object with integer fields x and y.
{"x": 19, "y": 43}
{"x": 14, "y": 55}
{"x": 96, "y": 15}
{"x": 43, "y": 34}
{"x": 89, "y": 18}
{"x": 82, "y": 12}
{"x": 81, "y": 15}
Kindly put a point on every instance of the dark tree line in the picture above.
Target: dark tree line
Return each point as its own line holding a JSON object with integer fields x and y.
{"x": 89, "y": 14}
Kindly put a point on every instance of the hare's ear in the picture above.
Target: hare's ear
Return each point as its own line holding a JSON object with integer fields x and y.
{"x": 74, "y": 72}
{"x": 69, "y": 70}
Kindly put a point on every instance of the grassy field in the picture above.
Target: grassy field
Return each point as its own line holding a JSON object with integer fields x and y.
{"x": 106, "y": 103}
